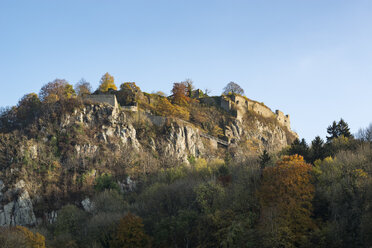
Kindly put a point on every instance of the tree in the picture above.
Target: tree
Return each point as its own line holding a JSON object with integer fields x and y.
{"x": 365, "y": 134}
{"x": 106, "y": 83}
{"x": 32, "y": 240}
{"x": 28, "y": 108}
{"x": 300, "y": 148}
{"x": 105, "y": 181}
{"x": 332, "y": 130}
{"x": 343, "y": 129}
{"x": 317, "y": 150}
{"x": 286, "y": 196}
{"x": 57, "y": 90}
{"x": 129, "y": 93}
{"x": 70, "y": 221}
{"x": 233, "y": 88}
{"x": 130, "y": 233}
{"x": 180, "y": 93}
{"x": 83, "y": 88}
{"x": 189, "y": 87}
{"x": 338, "y": 129}
{"x": 264, "y": 159}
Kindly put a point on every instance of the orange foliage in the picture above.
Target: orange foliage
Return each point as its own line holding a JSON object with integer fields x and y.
{"x": 180, "y": 94}
{"x": 286, "y": 197}
{"x": 130, "y": 233}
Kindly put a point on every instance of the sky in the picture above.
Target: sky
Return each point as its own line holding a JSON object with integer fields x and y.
{"x": 312, "y": 59}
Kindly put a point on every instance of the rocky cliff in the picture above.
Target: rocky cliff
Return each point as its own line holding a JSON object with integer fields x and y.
{"x": 57, "y": 160}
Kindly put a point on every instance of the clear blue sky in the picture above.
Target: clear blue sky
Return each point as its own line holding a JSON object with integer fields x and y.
{"x": 311, "y": 59}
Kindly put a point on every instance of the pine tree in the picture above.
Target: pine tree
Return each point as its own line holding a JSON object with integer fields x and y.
{"x": 317, "y": 150}
{"x": 332, "y": 130}
{"x": 343, "y": 129}
{"x": 300, "y": 148}
{"x": 264, "y": 159}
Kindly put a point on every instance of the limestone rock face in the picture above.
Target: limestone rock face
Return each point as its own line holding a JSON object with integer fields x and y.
{"x": 257, "y": 136}
{"x": 184, "y": 140}
{"x": 87, "y": 205}
{"x": 96, "y": 132}
{"x": 18, "y": 211}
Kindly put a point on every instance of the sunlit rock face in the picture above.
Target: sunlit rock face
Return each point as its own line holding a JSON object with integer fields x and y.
{"x": 38, "y": 173}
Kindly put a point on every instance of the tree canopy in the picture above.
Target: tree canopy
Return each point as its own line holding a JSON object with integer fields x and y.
{"x": 107, "y": 82}
{"x": 83, "y": 88}
{"x": 57, "y": 90}
{"x": 233, "y": 88}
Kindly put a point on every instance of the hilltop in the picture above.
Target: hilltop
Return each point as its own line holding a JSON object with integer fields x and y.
{"x": 96, "y": 169}
{"x": 58, "y": 142}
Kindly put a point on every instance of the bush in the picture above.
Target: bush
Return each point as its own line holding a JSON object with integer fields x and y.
{"x": 105, "y": 181}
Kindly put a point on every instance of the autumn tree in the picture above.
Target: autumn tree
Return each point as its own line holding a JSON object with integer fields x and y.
{"x": 32, "y": 240}
{"x": 83, "y": 88}
{"x": 286, "y": 196}
{"x": 130, "y": 233}
{"x": 106, "y": 83}
{"x": 233, "y": 88}
{"x": 57, "y": 90}
{"x": 129, "y": 93}
{"x": 180, "y": 93}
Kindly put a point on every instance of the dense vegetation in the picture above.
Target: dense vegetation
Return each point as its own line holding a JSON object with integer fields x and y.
{"x": 304, "y": 196}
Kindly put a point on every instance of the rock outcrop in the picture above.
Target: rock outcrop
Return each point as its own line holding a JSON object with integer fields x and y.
{"x": 18, "y": 209}
{"x": 101, "y": 135}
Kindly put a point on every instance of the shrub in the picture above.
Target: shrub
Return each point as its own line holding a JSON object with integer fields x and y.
{"x": 105, "y": 181}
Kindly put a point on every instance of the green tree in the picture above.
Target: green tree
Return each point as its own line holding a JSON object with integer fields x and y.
{"x": 106, "y": 83}
{"x": 105, "y": 182}
{"x": 70, "y": 221}
{"x": 343, "y": 129}
{"x": 300, "y": 148}
{"x": 342, "y": 199}
{"x": 264, "y": 159}
{"x": 338, "y": 129}
{"x": 317, "y": 150}
{"x": 332, "y": 130}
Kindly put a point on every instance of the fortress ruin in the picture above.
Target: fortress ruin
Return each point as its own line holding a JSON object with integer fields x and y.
{"x": 240, "y": 105}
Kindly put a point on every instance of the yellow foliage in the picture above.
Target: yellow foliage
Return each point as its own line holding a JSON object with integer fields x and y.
{"x": 360, "y": 173}
{"x": 107, "y": 82}
{"x": 33, "y": 240}
{"x": 200, "y": 164}
{"x": 166, "y": 108}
